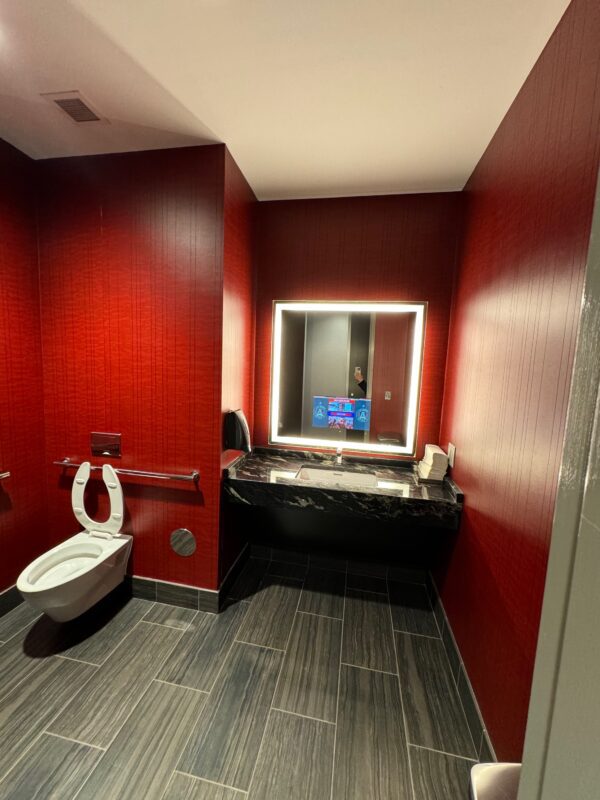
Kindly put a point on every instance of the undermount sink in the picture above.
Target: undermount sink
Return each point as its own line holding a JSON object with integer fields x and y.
{"x": 336, "y": 477}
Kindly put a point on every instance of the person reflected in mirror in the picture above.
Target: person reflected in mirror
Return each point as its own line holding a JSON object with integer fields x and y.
{"x": 360, "y": 379}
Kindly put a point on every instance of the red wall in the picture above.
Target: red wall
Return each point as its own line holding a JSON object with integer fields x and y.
{"x": 22, "y": 496}
{"x": 131, "y": 294}
{"x": 360, "y": 248}
{"x": 238, "y": 321}
{"x": 512, "y": 339}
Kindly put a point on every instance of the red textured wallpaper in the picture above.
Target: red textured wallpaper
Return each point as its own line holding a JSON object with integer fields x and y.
{"x": 238, "y": 320}
{"x": 510, "y": 358}
{"x": 361, "y": 248}
{"x": 131, "y": 290}
{"x": 22, "y": 496}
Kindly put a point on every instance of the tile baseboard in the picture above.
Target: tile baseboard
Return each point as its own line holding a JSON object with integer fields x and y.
{"x": 177, "y": 594}
{"x": 10, "y": 598}
{"x": 173, "y": 594}
{"x": 475, "y": 721}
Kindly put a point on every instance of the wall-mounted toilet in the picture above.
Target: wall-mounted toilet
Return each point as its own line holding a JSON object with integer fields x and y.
{"x": 76, "y": 574}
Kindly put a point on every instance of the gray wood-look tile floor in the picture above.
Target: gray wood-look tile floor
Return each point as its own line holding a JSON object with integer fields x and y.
{"x": 317, "y": 682}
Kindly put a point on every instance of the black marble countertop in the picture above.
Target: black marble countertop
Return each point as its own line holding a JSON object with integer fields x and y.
{"x": 267, "y": 476}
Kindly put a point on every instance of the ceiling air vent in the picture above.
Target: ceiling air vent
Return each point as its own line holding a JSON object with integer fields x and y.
{"x": 74, "y": 105}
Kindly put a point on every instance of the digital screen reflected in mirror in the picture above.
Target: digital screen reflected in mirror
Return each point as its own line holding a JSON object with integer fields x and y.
{"x": 347, "y": 413}
{"x": 347, "y": 374}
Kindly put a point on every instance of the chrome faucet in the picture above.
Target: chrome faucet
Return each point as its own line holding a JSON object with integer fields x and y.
{"x": 338, "y": 456}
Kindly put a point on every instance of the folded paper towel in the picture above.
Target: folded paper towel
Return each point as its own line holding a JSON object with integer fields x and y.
{"x": 435, "y": 455}
{"x": 434, "y": 464}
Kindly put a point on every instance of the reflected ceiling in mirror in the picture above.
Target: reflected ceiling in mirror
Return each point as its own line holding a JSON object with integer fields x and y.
{"x": 347, "y": 374}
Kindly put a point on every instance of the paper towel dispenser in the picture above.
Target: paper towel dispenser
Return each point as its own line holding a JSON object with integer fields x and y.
{"x": 237, "y": 432}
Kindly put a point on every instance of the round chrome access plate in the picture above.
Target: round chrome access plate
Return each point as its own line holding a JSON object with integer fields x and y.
{"x": 183, "y": 542}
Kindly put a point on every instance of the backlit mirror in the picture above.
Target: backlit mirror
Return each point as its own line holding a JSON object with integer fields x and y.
{"x": 347, "y": 375}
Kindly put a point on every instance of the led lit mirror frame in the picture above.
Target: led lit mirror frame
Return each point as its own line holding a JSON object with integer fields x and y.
{"x": 418, "y": 309}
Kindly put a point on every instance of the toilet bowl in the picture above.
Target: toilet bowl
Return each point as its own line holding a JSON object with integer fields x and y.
{"x": 76, "y": 574}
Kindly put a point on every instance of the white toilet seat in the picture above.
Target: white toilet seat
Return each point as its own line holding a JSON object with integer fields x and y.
{"x": 112, "y": 525}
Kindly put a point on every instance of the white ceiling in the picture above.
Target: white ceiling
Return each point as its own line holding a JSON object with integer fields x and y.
{"x": 313, "y": 97}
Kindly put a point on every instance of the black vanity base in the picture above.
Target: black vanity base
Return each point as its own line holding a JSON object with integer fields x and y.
{"x": 343, "y": 536}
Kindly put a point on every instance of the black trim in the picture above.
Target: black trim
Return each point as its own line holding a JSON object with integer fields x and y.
{"x": 475, "y": 721}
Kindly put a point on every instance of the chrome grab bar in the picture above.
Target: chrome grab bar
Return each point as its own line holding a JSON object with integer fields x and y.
{"x": 193, "y": 476}
{"x": 4, "y": 475}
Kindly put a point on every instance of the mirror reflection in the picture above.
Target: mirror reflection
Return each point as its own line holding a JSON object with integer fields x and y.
{"x": 347, "y": 374}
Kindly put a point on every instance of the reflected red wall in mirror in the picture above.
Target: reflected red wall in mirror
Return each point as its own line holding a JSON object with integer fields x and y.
{"x": 392, "y": 357}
